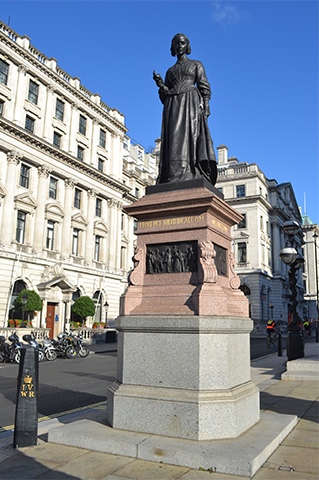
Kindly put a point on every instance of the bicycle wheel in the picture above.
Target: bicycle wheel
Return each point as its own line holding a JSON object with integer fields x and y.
{"x": 274, "y": 341}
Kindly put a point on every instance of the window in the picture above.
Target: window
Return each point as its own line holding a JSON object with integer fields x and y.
{"x": 122, "y": 221}
{"x": 57, "y": 139}
{"x": 97, "y": 248}
{"x": 137, "y": 193}
{"x": 80, "y": 153}
{"x": 77, "y": 198}
{"x": 59, "y": 109}
{"x": 82, "y": 125}
{"x": 125, "y": 144}
{"x": 102, "y": 138}
{"x": 261, "y": 222}
{"x": 240, "y": 191}
{"x": 220, "y": 189}
{"x": 98, "y": 207}
{"x": 29, "y": 124}
{"x": 139, "y": 154}
{"x": 242, "y": 252}
{"x": 75, "y": 241}
{"x": 1, "y": 108}
{"x": 24, "y": 176}
{"x": 53, "y": 187}
{"x": 33, "y": 92}
{"x": 4, "y": 69}
{"x": 50, "y": 235}
{"x": 242, "y": 223}
{"x": 100, "y": 164}
{"x": 21, "y": 221}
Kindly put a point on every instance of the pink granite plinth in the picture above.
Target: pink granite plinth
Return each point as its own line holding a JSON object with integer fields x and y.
{"x": 182, "y": 221}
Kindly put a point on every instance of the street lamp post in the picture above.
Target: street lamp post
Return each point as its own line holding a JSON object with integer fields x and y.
{"x": 290, "y": 256}
{"x": 24, "y": 300}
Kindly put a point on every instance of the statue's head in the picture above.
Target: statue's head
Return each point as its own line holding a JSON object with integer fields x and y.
{"x": 177, "y": 36}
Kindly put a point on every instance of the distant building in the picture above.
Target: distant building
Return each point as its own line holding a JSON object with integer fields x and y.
{"x": 258, "y": 238}
{"x": 65, "y": 177}
{"x": 311, "y": 267}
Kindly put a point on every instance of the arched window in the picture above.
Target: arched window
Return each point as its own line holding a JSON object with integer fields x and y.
{"x": 19, "y": 285}
{"x": 74, "y": 317}
{"x": 246, "y": 290}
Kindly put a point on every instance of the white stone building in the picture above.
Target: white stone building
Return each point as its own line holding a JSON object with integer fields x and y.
{"x": 258, "y": 238}
{"x": 64, "y": 179}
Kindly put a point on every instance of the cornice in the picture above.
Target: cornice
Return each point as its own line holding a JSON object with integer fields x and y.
{"x": 249, "y": 199}
{"x": 41, "y": 145}
{"x": 60, "y": 81}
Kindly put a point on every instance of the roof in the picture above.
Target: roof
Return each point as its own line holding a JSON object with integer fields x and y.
{"x": 306, "y": 220}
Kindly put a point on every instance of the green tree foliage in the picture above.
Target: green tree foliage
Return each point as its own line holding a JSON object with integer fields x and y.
{"x": 84, "y": 307}
{"x": 34, "y": 302}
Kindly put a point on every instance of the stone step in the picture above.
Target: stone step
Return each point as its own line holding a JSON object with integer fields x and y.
{"x": 303, "y": 365}
{"x": 300, "y": 376}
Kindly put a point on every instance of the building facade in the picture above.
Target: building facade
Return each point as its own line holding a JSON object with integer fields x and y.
{"x": 67, "y": 169}
{"x": 258, "y": 238}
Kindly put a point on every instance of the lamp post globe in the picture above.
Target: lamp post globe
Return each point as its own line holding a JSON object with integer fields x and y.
{"x": 291, "y": 228}
{"x": 288, "y": 255}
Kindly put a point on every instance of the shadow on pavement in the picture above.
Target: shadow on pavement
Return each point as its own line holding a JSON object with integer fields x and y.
{"x": 289, "y": 405}
{"x": 19, "y": 466}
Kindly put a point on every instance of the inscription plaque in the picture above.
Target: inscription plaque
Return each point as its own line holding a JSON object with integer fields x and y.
{"x": 172, "y": 257}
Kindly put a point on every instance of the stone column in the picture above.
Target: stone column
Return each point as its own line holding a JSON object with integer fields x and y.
{"x": 113, "y": 234}
{"x": 119, "y": 233}
{"x": 20, "y": 96}
{"x": 39, "y": 231}
{"x": 44, "y": 313}
{"x": 66, "y": 226}
{"x": 73, "y": 129}
{"x": 47, "y": 129}
{"x": 276, "y": 247}
{"x": 13, "y": 159}
{"x": 88, "y": 255}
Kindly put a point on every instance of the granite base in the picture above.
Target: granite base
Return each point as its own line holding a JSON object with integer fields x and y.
{"x": 241, "y": 456}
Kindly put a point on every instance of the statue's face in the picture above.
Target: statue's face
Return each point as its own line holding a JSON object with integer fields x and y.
{"x": 180, "y": 45}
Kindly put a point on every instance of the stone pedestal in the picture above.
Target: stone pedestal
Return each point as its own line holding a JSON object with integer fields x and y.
{"x": 183, "y": 351}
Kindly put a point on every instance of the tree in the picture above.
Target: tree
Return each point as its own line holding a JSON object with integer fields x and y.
{"x": 34, "y": 302}
{"x": 84, "y": 307}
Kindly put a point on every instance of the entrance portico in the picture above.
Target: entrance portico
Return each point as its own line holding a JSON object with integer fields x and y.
{"x": 57, "y": 298}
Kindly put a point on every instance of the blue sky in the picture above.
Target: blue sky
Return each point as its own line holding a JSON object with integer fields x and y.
{"x": 261, "y": 59}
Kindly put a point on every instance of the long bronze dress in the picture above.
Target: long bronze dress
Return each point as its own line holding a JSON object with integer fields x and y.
{"x": 187, "y": 150}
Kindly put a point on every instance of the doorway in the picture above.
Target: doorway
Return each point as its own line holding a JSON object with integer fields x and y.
{"x": 50, "y": 319}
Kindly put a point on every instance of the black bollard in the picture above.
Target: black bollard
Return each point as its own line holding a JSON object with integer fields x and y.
{"x": 317, "y": 333}
{"x": 279, "y": 345}
{"x": 26, "y": 419}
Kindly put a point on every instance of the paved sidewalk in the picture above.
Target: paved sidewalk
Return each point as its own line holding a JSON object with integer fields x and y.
{"x": 297, "y": 458}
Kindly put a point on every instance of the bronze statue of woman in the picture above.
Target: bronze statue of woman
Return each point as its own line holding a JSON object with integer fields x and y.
{"x": 187, "y": 150}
